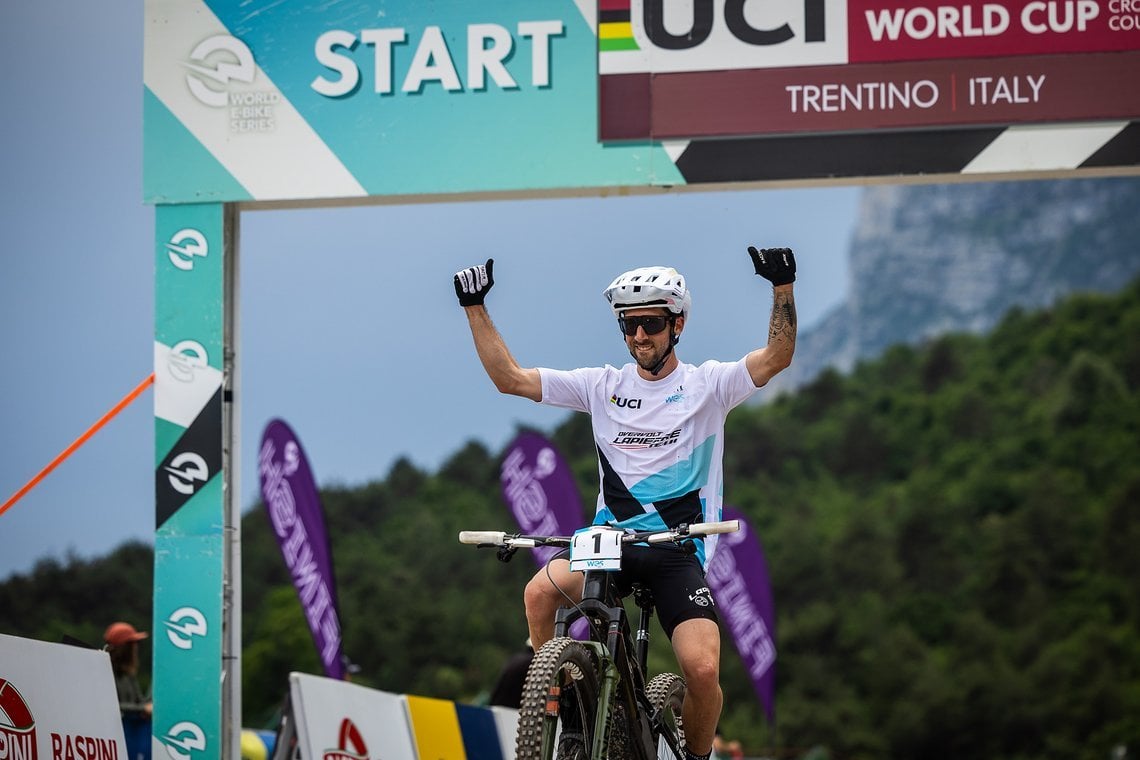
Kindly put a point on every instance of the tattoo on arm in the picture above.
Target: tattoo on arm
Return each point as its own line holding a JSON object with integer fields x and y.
{"x": 782, "y": 327}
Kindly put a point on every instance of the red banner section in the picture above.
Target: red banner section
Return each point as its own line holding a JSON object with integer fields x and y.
{"x": 859, "y": 97}
{"x": 900, "y": 31}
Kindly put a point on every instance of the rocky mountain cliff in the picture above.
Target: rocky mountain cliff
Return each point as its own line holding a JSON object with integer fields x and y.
{"x": 931, "y": 259}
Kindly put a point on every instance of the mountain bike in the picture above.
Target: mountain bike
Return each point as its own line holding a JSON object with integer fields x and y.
{"x": 589, "y": 699}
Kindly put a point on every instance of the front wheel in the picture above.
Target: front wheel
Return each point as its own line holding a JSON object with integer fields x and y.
{"x": 666, "y": 693}
{"x": 559, "y": 703}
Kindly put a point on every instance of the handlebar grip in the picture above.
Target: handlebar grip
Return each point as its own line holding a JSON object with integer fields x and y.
{"x": 495, "y": 537}
{"x": 707, "y": 529}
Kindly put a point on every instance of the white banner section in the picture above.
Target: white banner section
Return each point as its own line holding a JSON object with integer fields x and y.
{"x": 337, "y": 720}
{"x": 57, "y": 701}
{"x": 342, "y": 719}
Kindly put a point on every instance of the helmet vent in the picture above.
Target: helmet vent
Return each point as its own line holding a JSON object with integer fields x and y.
{"x": 649, "y": 287}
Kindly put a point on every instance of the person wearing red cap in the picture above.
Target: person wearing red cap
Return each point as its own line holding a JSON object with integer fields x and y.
{"x": 122, "y": 644}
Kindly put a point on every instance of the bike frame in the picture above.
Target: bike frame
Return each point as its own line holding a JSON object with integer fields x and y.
{"x": 623, "y": 659}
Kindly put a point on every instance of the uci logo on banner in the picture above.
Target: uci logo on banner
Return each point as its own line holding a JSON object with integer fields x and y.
{"x": 717, "y": 35}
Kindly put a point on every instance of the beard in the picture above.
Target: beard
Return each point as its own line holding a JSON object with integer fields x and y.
{"x": 648, "y": 359}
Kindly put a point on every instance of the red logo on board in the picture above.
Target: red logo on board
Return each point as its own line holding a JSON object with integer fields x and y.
{"x": 350, "y": 745}
{"x": 17, "y": 726}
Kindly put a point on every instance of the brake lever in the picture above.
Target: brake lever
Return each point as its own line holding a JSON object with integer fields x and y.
{"x": 686, "y": 546}
{"x": 506, "y": 553}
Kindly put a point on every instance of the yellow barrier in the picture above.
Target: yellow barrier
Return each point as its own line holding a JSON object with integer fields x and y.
{"x": 435, "y": 726}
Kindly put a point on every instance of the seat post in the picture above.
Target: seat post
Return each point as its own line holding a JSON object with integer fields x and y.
{"x": 643, "y": 597}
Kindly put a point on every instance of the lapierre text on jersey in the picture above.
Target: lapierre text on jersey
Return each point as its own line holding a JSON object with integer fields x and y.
{"x": 638, "y": 440}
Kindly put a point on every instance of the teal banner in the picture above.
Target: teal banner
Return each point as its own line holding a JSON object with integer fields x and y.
{"x": 264, "y": 100}
{"x": 190, "y": 536}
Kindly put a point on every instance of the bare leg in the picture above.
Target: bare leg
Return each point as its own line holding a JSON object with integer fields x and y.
{"x": 697, "y": 646}
{"x": 542, "y": 599}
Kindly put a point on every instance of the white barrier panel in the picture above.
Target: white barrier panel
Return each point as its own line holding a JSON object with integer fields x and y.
{"x": 57, "y": 702}
{"x": 337, "y": 720}
{"x": 507, "y": 721}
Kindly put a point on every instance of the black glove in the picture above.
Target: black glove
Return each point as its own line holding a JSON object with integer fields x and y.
{"x": 472, "y": 283}
{"x": 777, "y": 265}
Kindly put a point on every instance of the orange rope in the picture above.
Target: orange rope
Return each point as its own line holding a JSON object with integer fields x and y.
{"x": 78, "y": 442}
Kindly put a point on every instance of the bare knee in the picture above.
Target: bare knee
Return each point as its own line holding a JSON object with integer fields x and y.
{"x": 697, "y": 644}
{"x": 543, "y": 597}
{"x": 539, "y": 597}
{"x": 702, "y": 674}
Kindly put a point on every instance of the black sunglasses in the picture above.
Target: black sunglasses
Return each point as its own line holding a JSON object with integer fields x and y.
{"x": 652, "y": 324}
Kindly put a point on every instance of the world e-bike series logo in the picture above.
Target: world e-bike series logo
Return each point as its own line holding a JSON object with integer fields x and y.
{"x": 186, "y": 472}
{"x": 183, "y": 625}
{"x": 184, "y": 246}
{"x": 183, "y": 740}
{"x": 220, "y": 74}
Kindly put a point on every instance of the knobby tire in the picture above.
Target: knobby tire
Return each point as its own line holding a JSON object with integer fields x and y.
{"x": 560, "y": 663}
{"x": 666, "y": 693}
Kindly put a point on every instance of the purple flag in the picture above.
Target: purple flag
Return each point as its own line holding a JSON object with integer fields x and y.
{"x": 540, "y": 491}
{"x": 295, "y": 512}
{"x": 738, "y": 577}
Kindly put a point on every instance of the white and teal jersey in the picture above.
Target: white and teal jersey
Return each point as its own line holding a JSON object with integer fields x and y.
{"x": 660, "y": 443}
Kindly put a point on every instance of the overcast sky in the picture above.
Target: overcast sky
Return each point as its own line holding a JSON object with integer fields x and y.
{"x": 349, "y": 328}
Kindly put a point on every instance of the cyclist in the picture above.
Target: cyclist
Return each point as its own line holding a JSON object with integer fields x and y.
{"x": 658, "y": 426}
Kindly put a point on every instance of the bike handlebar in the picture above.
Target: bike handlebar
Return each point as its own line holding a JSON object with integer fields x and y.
{"x": 517, "y": 540}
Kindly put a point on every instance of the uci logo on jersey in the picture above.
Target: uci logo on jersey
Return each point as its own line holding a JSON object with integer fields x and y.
{"x": 629, "y": 403}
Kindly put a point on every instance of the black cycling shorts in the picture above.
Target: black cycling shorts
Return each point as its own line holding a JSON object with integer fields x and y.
{"x": 676, "y": 578}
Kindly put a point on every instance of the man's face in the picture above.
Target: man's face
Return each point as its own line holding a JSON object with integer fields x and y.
{"x": 647, "y": 350}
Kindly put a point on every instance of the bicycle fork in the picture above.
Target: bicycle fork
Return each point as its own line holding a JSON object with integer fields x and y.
{"x": 605, "y": 700}
{"x": 638, "y": 724}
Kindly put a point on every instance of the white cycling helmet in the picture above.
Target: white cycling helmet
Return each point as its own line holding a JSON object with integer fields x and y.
{"x": 649, "y": 287}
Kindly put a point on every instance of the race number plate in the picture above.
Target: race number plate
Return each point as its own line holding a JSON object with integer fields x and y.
{"x": 597, "y": 547}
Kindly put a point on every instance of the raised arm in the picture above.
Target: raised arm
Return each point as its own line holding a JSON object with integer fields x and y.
{"x": 471, "y": 286}
{"x": 778, "y": 266}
